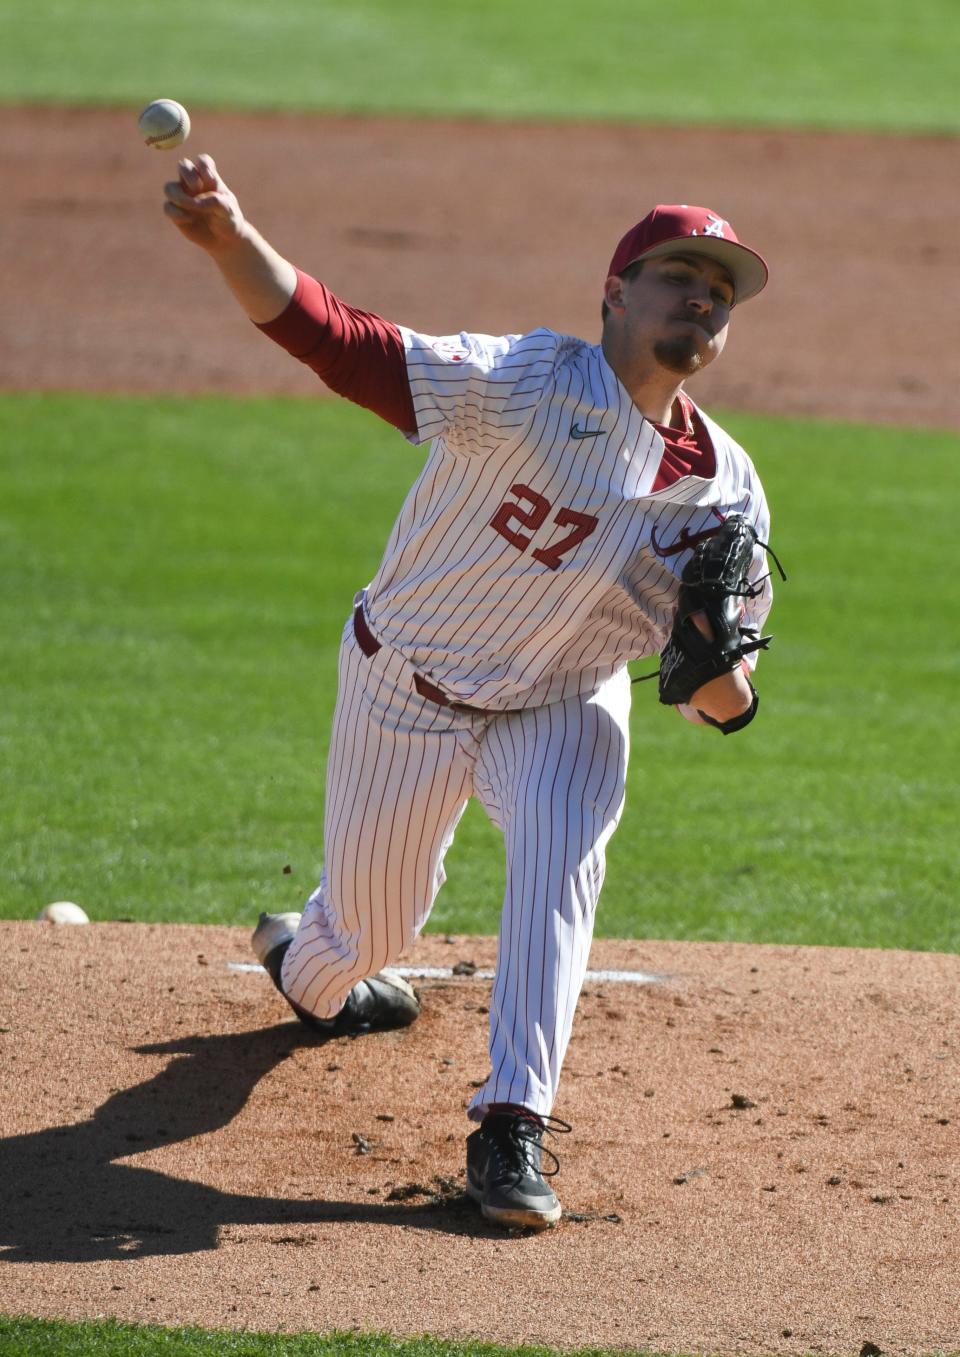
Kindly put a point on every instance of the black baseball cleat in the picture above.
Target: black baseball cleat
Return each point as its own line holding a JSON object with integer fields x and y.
{"x": 378, "y": 1004}
{"x": 504, "y": 1169}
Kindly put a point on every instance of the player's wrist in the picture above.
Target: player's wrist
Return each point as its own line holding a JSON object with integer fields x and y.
{"x": 234, "y": 239}
{"x": 724, "y": 698}
{"x": 262, "y": 281}
{"x": 735, "y": 723}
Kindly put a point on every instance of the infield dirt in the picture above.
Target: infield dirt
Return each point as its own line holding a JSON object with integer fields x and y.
{"x": 483, "y": 227}
{"x": 765, "y": 1156}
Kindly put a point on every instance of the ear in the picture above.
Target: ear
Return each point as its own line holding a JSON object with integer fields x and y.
{"x": 613, "y": 292}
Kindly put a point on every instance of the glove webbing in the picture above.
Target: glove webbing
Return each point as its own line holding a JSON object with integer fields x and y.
{"x": 750, "y": 591}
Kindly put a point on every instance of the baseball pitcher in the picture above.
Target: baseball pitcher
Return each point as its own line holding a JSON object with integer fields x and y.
{"x": 576, "y": 510}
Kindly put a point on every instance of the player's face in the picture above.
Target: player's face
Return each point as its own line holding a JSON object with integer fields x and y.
{"x": 676, "y": 311}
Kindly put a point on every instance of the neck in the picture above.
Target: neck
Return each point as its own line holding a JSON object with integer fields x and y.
{"x": 653, "y": 389}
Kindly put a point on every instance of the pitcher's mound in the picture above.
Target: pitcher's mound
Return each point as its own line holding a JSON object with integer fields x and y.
{"x": 764, "y": 1157}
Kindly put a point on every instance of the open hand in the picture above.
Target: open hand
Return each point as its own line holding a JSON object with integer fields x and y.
{"x": 202, "y": 207}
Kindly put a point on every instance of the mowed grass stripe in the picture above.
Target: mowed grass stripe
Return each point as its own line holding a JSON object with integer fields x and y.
{"x": 30, "y": 1337}
{"x": 177, "y": 574}
{"x": 813, "y": 63}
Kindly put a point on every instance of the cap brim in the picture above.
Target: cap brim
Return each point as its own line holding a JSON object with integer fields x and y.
{"x": 747, "y": 268}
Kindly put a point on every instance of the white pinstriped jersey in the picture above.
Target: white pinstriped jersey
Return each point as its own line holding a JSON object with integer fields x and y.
{"x": 531, "y": 559}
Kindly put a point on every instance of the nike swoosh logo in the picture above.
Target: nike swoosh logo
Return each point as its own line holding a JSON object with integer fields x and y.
{"x": 577, "y": 432}
{"x": 685, "y": 540}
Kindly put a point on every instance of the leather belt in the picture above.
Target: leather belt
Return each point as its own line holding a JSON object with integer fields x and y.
{"x": 366, "y": 640}
{"x": 369, "y": 644}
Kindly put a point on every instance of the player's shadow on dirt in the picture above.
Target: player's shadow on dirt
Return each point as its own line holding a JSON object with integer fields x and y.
{"x": 64, "y": 1199}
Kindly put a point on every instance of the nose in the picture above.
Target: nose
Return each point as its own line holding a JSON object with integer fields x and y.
{"x": 701, "y": 301}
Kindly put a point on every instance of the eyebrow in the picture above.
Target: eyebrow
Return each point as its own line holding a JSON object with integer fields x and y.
{"x": 696, "y": 262}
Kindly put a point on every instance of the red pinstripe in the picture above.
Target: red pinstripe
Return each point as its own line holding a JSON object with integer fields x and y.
{"x": 489, "y": 623}
{"x": 399, "y": 773}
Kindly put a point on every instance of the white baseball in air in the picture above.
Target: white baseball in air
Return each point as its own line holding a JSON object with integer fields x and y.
{"x": 63, "y": 912}
{"x": 164, "y": 124}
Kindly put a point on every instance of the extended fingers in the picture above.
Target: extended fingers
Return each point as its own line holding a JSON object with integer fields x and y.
{"x": 202, "y": 205}
{"x": 208, "y": 173}
{"x": 189, "y": 177}
{"x": 200, "y": 175}
{"x": 188, "y": 201}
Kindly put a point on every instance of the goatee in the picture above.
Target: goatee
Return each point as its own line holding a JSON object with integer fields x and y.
{"x": 679, "y": 354}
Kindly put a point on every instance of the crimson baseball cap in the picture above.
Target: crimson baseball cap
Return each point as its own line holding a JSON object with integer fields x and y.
{"x": 677, "y": 228}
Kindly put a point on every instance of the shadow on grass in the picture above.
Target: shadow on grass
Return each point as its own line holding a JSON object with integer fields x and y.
{"x": 64, "y": 1199}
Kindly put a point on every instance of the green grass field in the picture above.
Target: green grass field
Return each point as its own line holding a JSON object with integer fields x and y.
{"x": 38, "y": 1338}
{"x": 177, "y": 575}
{"x": 814, "y": 63}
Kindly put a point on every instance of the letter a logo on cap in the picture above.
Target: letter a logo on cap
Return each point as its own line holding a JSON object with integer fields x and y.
{"x": 714, "y": 224}
{"x": 714, "y": 227}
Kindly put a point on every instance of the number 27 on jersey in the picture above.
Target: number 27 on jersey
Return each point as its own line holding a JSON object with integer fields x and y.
{"x": 510, "y": 512}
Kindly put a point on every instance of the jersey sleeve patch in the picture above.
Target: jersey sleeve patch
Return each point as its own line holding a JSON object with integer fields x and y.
{"x": 452, "y": 348}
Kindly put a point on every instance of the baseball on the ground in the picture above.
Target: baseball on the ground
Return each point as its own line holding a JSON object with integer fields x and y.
{"x": 164, "y": 124}
{"x": 63, "y": 912}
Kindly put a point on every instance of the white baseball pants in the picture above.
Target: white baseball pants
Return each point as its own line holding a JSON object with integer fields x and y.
{"x": 400, "y": 771}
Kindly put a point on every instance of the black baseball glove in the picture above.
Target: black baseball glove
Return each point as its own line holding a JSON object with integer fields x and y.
{"x": 714, "y": 582}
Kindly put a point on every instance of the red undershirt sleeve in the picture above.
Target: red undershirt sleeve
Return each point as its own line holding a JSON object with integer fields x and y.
{"x": 358, "y": 354}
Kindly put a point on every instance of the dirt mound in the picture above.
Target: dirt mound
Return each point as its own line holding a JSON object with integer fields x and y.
{"x": 763, "y": 1157}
